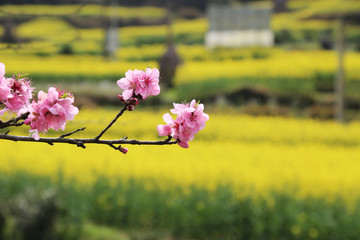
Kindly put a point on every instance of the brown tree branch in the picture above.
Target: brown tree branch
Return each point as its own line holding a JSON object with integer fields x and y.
{"x": 80, "y": 142}
{"x": 14, "y": 122}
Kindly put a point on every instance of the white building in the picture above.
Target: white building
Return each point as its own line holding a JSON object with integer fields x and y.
{"x": 238, "y": 26}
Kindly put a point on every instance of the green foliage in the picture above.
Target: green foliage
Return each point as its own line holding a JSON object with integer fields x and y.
{"x": 95, "y": 232}
{"x": 187, "y": 213}
{"x": 189, "y": 38}
{"x": 180, "y": 38}
{"x": 214, "y": 87}
{"x": 33, "y": 209}
{"x": 324, "y": 82}
{"x": 150, "y": 39}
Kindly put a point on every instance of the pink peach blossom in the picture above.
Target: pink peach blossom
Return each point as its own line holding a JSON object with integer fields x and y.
{"x": 130, "y": 83}
{"x": 149, "y": 83}
{"x": 15, "y": 93}
{"x": 194, "y": 116}
{"x": 140, "y": 84}
{"x": 52, "y": 110}
{"x": 190, "y": 120}
{"x": 21, "y": 93}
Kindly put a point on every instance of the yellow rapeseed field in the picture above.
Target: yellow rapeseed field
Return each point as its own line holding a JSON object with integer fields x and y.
{"x": 85, "y": 10}
{"x": 279, "y": 64}
{"x": 253, "y": 154}
{"x": 69, "y": 65}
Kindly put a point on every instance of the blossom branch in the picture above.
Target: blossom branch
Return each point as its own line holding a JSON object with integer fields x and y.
{"x": 80, "y": 142}
{"x": 53, "y": 109}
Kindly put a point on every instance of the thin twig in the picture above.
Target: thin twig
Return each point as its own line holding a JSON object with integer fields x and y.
{"x": 114, "y": 147}
{"x": 118, "y": 148}
{"x": 111, "y": 123}
{"x": 168, "y": 139}
{"x": 14, "y": 122}
{"x": 71, "y": 133}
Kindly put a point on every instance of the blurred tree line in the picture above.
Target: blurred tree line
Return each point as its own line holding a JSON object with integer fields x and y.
{"x": 199, "y": 4}
{"x": 279, "y": 5}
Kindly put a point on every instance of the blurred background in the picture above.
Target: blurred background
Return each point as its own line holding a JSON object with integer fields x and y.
{"x": 278, "y": 159}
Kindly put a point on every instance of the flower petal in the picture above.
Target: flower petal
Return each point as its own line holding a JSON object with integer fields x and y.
{"x": 123, "y": 83}
{"x": 164, "y": 130}
{"x": 168, "y": 119}
{"x": 183, "y": 144}
{"x": 127, "y": 94}
{"x": 2, "y": 70}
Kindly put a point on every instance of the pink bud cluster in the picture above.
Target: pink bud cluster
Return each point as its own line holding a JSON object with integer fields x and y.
{"x": 132, "y": 102}
{"x": 15, "y": 92}
{"x": 190, "y": 120}
{"x": 51, "y": 110}
{"x": 138, "y": 85}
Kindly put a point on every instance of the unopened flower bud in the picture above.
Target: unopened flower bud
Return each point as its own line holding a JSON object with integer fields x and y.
{"x": 133, "y": 101}
{"x": 123, "y": 150}
{"x": 121, "y": 98}
{"x": 130, "y": 107}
